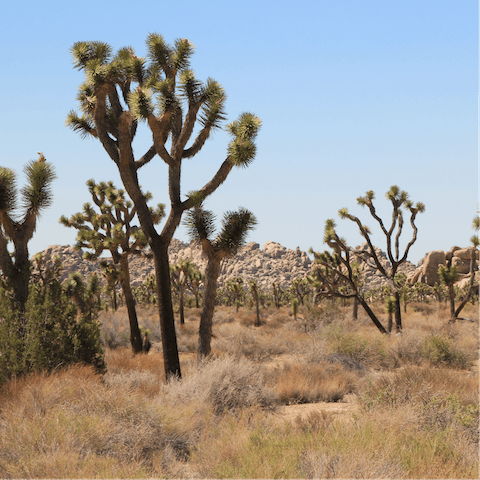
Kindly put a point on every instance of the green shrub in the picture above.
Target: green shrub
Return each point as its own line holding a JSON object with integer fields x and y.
{"x": 54, "y": 331}
{"x": 439, "y": 350}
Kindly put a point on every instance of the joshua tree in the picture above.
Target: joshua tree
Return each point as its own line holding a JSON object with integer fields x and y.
{"x": 300, "y": 288}
{"x": 112, "y": 276}
{"x": 112, "y": 230}
{"x": 255, "y": 294}
{"x": 337, "y": 269}
{"x": 235, "y": 228}
{"x": 390, "y": 309}
{"x": 122, "y": 90}
{"x": 448, "y": 275}
{"x": 36, "y": 196}
{"x": 399, "y": 199}
{"x": 194, "y": 280}
{"x": 179, "y": 275}
{"x": 235, "y": 291}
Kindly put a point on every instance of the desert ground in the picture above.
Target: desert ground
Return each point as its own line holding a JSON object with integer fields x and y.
{"x": 322, "y": 396}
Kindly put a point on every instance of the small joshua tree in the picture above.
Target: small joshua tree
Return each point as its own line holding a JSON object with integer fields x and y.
{"x": 235, "y": 228}
{"x": 194, "y": 280}
{"x": 111, "y": 229}
{"x": 448, "y": 276}
{"x": 399, "y": 200}
{"x": 390, "y": 309}
{"x": 179, "y": 274}
{"x": 338, "y": 269}
{"x": 255, "y": 295}
{"x": 35, "y": 197}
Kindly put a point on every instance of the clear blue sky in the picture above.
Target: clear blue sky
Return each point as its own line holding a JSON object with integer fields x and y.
{"x": 354, "y": 95}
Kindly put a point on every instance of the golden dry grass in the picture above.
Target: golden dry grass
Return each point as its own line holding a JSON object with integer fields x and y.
{"x": 419, "y": 419}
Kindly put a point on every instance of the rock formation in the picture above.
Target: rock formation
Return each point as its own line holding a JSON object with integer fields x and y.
{"x": 272, "y": 263}
{"x": 427, "y": 270}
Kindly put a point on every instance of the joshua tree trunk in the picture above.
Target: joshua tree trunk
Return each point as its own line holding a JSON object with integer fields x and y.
{"x": 206, "y": 317}
{"x": 355, "y": 308}
{"x": 456, "y": 312}
{"x": 257, "y": 321}
{"x": 180, "y": 301}
{"x": 135, "y": 335}
{"x": 165, "y": 309}
{"x": 451, "y": 297}
{"x": 398, "y": 312}
{"x": 114, "y": 298}
{"x": 370, "y": 313}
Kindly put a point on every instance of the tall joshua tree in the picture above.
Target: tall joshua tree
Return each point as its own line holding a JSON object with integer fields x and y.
{"x": 112, "y": 230}
{"x": 399, "y": 200}
{"x": 35, "y": 197}
{"x": 235, "y": 228}
{"x": 121, "y": 90}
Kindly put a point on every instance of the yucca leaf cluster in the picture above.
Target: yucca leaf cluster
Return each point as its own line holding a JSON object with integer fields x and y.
{"x": 235, "y": 226}
{"x": 110, "y": 226}
{"x": 19, "y": 213}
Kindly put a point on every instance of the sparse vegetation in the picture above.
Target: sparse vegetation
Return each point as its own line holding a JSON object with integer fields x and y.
{"x": 402, "y": 406}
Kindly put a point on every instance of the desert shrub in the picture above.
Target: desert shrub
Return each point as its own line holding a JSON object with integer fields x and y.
{"x": 70, "y": 424}
{"x": 324, "y": 382}
{"x": 227, "y": 384}
{"x": 315, "y": 464}
{"x": 408, "y": 347}
{"x": 255, "y": 345}
{"x": 351, "y": 345}
{"x": 441, "y": 411}
{"x": 440, "y": 350}
{"x": 423, "y": 308}
{"x": 53, "y": 331}
{"x": 419, "y": 385}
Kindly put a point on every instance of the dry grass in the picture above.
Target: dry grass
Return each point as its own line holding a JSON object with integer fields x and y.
{"x": 419, "y": 416}
{"x": 326, "y": 382}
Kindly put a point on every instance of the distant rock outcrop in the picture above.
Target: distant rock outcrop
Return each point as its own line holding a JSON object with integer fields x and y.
{"x": 272, "y": 263}
{"x": 427, "y": 271}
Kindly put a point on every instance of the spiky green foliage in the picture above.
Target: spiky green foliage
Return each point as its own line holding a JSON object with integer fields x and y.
{"x": 242, "y": 148}
{"x": 8, "y": 194}
{"x": 235, "y": 229}
{"x": 19, "y": 213}
{"x": 181, "y": 112}
{"x": 58, "y": 327}
{"x": 110, "y": 228}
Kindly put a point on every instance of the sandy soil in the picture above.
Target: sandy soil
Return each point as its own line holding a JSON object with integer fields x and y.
{"x": 341, "y": 411}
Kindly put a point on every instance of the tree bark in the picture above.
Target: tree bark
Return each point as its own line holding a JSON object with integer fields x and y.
{"x": 370, "y": 313}
{"x": 355, "y": 308}
{"x": 135, "y": 335}
{"x": 208, "y": 308}
{"x": 398, "y": 311}
{"x": 181, "y": 289}
{"x": 257, "y": 321}
{"x": 165, "y": 310}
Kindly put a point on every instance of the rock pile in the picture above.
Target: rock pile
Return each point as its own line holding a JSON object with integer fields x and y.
{"x": 273, "y": 263}
{"x": 427, "y": 271}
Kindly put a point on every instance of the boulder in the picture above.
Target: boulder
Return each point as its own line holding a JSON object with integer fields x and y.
{"x": 464, "y": 253}
{"x": 463, "y": 266}
{"x": 431, "y": 264}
